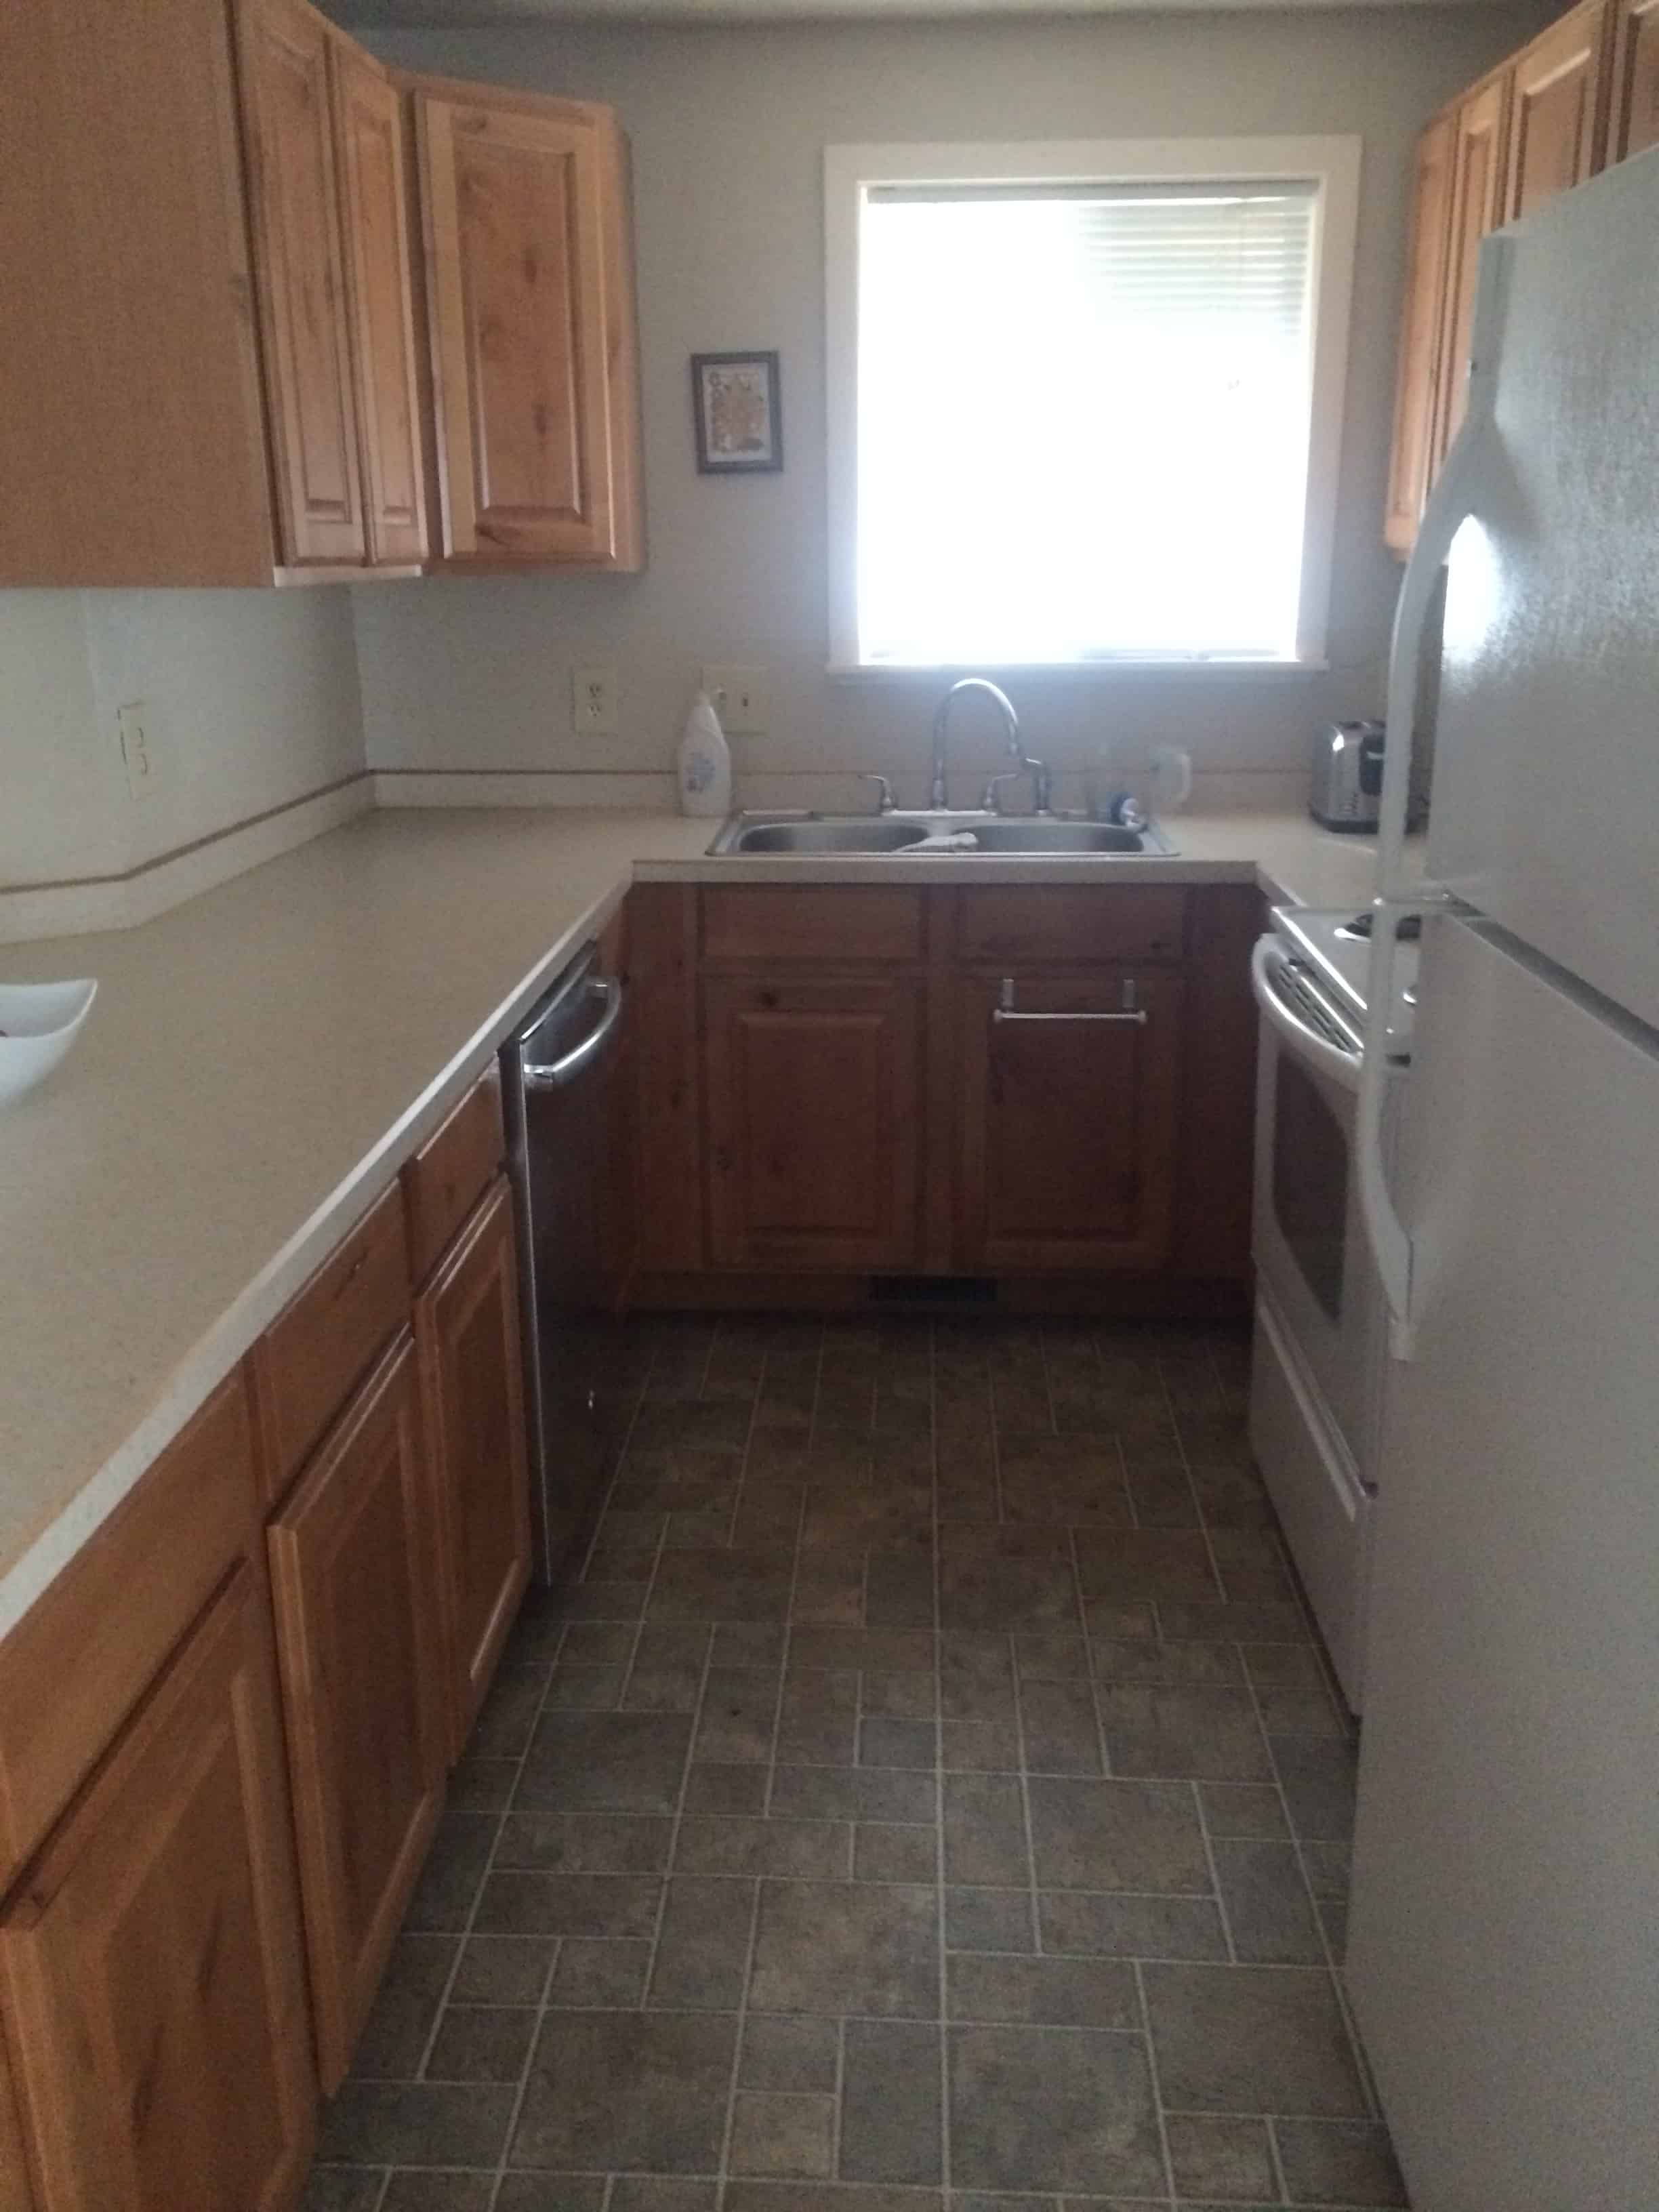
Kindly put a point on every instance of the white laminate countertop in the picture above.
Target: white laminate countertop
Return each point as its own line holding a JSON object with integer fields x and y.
{"x": 261, "y": 1061}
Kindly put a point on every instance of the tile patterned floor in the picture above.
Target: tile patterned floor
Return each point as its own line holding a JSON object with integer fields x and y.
{"x": 932, "y": 1785}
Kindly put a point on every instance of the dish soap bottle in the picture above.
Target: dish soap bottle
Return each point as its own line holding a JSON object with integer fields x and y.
{"x": 705, "y": 761}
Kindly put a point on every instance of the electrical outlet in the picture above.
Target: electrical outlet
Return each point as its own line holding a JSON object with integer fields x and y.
{"x": 740, "y": 698}
{"x": 143, "y": 754}
{"x": 595, "y": 701}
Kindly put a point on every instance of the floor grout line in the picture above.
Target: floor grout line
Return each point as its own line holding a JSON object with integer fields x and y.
{"x": 1215, "y": 1874}
{"x": 1145, "y": 2009}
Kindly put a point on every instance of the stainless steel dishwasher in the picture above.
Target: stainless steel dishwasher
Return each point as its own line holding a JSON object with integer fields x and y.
{"x": 568, "y": 1125}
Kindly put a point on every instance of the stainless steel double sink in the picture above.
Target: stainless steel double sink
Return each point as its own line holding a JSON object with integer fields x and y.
{"x": 918, "y": 835}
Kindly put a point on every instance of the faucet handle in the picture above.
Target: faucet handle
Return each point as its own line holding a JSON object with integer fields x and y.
{"x": 990, "y": 800}
{"x": 885, "y": 802}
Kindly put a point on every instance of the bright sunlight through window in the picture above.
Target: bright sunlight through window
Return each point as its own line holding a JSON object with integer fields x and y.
{"x": 1083, "y": 415}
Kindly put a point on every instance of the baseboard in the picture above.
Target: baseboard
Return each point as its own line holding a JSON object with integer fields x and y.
{"x": 1129, "y": 1298}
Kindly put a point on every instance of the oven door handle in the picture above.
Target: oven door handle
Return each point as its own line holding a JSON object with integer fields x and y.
{"x": 1269, "y": 960}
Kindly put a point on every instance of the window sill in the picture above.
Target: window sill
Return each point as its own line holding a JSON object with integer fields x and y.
{"x": 840, "y": 671}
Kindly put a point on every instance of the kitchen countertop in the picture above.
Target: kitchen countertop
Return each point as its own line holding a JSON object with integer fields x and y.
{"x": 261, "y": 1059}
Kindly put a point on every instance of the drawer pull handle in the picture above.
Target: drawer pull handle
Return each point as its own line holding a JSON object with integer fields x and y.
{"x": 1004, "y": 1011}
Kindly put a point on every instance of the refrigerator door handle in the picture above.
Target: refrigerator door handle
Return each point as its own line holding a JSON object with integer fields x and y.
{"x": 1449, "y": 504}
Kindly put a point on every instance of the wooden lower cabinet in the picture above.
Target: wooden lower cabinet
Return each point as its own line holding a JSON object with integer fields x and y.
{"x": 152, "y": 1958}
{"x": 466, "y": 1330}
{"x": 812, "y": 1087}
{"x": 1068, "y": 1121}
{"x": 353, "y": 1574}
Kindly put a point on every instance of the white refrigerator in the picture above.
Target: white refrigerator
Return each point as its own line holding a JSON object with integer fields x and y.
{"x": 1503, "y": 1953}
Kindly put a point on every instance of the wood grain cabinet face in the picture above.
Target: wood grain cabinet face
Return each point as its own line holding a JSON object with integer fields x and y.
{"x": 354, "y": 1579}
{"x": 152, "y": 1956}
{"x": 1634, "y": 123}
{"x": 302, "y": 294}
{"x": 1477, "y": 199}
{"x": 1420, "y": 334}
{"x": 368, "y": 128}
{"x": 812, "y": 1088}
{"x": 1558, "y": 111}
{"x": 1068, "y": 1130}
{"x": 520, "y": 238}
{"x": 467, "y": 1329}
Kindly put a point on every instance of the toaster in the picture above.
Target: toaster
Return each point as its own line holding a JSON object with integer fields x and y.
{"x": 1347, "y": 792}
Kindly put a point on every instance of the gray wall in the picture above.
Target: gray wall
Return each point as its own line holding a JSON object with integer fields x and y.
{"x": 253, "y": 696}
{"x": 728, "y": 128}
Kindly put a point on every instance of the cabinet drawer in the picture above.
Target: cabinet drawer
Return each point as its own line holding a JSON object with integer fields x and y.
{"x": 312, "y": 1353}
{"x": 773, "y": 923}
{"x": 1015, "y": 922}
{"x": 452, "y": 1168}
{"x": 80, "y": 1659}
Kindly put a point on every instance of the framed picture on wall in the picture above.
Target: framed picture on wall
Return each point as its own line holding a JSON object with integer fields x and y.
{"x": 736, "y": 408}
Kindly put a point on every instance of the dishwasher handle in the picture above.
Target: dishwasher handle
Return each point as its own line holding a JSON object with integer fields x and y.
{"x": 554, "y": 1074}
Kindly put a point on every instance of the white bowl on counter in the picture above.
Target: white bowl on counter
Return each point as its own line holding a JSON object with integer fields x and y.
{"x": 38, "y": 1025}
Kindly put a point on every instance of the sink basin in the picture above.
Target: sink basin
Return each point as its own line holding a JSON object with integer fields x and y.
{"x": 874, "y": 835}
{"x": 960, "y": 835}
{"x": 1061, "y": 837}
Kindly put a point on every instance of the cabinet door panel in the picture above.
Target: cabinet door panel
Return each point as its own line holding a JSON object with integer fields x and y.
{"x": 1634, "y": 124}
{"x": 466, "y": 1326}
{"x": 515, "y": 215}
{"x": 353, "y": 1567}
{"x": 1420, "y": 334}
{"x": 1068, "y": 1129}
{"x": 1477, "y": 198}
{"x": 153, "y": 1952}
{"x": 297, "y": 239}
{"x": 1557, "y": 113}
{"x": 369, "y": 129}
{"x": 812, "y": 1090}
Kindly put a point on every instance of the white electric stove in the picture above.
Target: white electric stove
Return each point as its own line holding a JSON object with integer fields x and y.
{"x": 1320, "y": 1336}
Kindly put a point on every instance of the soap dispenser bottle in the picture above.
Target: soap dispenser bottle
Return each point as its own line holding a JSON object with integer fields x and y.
{"x": 705, "y": 763}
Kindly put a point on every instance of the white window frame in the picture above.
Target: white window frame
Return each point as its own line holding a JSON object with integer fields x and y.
{"x": 1331, "y": 165}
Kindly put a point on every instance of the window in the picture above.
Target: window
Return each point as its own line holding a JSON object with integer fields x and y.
{"x": 1085, "y": 401}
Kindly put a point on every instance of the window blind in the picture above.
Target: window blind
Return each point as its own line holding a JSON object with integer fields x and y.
{"x": 1084, "y": 418}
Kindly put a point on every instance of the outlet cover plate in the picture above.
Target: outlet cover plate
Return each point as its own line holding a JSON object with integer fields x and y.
{"x": 740, "y": 697}
{"x": 596, "y": 700}
{"x": 144, "y": 752}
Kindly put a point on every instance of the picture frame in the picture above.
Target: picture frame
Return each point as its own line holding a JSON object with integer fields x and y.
{"x": 736, "y": 410}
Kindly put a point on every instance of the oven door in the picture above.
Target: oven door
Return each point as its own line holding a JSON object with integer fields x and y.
{"x": 1309, "y": 1238}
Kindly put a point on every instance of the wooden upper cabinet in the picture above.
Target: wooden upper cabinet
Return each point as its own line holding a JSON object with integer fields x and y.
{"x": 1557, "y": 110}
{"x": 1419, "y": 333}
{"x": 466, "y": 1331}
{"x": 530, "y": 307}
{"x": 1068, "y": 1125}
{"x": 354, "y": 1577}
{"x": 813, "y": 1086}
{"x": 1477, "y": 200}
{"x": 1634, "y": 121}
{"x": 1584, "y": 92}
{"x": 374, "y": 201}
{"x": 132, "y": 436}
{"x": 152, "y": 1955}
{"x": 299, "y": 254}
